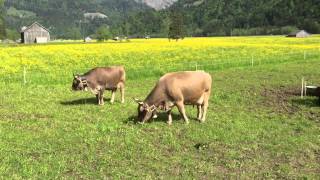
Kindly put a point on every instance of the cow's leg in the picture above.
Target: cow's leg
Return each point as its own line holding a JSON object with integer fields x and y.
{"x": 199, "y": 112}
{"x": 113, "y": 93}
{"x": 122, "y": 92}
{"x": 205, "y": 106}
{"x": 98, "y": 98}
{"x": 182, "y": 110}
{"x": 101, "y": 98}
{"x": 169, "y": 117}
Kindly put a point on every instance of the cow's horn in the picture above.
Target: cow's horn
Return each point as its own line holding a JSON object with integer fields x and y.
{"x": 152, "y": 108}
{"x": 138, "y": 101}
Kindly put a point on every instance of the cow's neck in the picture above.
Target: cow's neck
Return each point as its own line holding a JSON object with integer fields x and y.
{"x": 155, "y": 98}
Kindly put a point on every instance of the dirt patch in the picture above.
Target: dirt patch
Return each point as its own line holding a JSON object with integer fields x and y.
{"x": 286, "y": 100}
{"x": 280, "y": 98}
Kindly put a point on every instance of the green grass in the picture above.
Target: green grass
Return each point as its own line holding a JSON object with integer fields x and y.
{"x": 256, "y": 128}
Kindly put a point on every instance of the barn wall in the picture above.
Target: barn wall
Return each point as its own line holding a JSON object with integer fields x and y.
{"x": 33, "y": 32}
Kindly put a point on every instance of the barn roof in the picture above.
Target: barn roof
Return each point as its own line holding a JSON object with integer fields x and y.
{"x": 35, "y": 23}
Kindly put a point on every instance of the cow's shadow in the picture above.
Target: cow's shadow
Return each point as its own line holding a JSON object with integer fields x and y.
{"x": 162, "y": 117}
{"x": 83, "y": 101}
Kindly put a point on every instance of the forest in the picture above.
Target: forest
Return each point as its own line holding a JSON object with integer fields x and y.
{"x": 65, "y": 18}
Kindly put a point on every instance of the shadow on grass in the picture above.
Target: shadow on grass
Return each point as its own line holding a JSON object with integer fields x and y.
{"x": 162, "y": 117}
{"x": 83, "y": 101}
{"x": 308, "y": 102}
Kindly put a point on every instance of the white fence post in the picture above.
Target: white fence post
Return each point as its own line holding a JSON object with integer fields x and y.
{"x": 252, "y": 60}
{"x": 24, "y": 75}
{"x": 305, "y": 88}
{"x": 302, "y": 88}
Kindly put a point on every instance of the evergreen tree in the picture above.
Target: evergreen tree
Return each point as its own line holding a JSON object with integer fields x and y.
{"x": 2, "y": 21}
{"x": 176, "y": 30}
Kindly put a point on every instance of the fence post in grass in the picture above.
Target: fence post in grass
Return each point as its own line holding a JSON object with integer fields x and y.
{"x": 302, "y": 87}
{"x": 196, "y": 66}
{"x": 24, "y": 75}
{"x": 304, "y": 55}
{"x": 252, "y": 60}
{"x": 305, "y": 88}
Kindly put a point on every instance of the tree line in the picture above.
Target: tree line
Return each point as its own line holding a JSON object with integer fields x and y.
{"x": 249, "y": 17}
{"x": 64, "y": 18}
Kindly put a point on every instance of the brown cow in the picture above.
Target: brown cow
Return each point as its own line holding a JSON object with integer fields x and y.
{"x": 100, "y": 79}
{"x": 177, "y": 89}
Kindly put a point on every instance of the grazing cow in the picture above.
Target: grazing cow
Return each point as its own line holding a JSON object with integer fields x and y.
{"x": 100, "y": 79}
{"x": 177, "y": 89}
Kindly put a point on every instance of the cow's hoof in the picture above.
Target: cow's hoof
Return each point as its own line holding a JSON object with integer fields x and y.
{"x": 202, "y": 120}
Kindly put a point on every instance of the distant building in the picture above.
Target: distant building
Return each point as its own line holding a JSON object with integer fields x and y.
{"x": 117, "y": 38}
{"x": 87, "y": 39}
{"x": 35, "y": 33}
{"x": 299, "y": 34}
{"x": 95, "y": 15}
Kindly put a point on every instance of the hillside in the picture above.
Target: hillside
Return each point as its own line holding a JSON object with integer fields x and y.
{"x": 137, "y": 18}
{"x": 63, "y": 17}
{"x": 248, "y": 17}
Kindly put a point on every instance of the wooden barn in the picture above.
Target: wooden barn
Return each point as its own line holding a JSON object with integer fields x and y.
{"x": 299, "y": 34}
{"x": 35, "y": 33}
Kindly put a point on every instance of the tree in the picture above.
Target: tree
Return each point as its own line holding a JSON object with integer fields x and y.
{"x": 2, "y": 21}
{"x": 103, "y": 33}
{"x": 73, "y": 33}
{"x": 176, "y": 30}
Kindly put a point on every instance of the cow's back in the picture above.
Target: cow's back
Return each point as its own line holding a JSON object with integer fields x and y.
{"x": 190, "y": 84}
{"x": 108, "y": 77}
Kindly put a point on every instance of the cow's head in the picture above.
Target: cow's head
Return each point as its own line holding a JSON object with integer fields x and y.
{"x": 145, "y": 111}
{"x": 79, "y": 83}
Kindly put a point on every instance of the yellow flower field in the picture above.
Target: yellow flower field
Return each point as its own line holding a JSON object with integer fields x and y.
{"x": 138, "y": 53}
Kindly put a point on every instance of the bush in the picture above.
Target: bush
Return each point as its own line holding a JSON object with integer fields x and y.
{"x": 311, "y": 26}
{"x": 103, "y": 33}
{"x": 288, "y": 29}
{"x": 12, "y": 34}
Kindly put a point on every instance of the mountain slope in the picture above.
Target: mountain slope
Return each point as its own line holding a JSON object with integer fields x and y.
{"x": 63, "y": 17}
{"x": 248, "y": 17}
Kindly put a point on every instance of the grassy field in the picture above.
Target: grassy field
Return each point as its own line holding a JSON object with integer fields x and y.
{"x": 257, "y": 125}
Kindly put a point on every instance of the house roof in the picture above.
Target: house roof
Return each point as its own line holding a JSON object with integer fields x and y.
{"x": 35, "y": 23}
